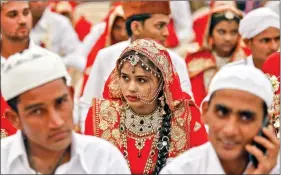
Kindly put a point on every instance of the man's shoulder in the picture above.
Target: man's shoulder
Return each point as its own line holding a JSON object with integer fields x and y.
{"x": 111, "y": 52}
{"x": 115, "y": 48}
{"x": 93, "y": 144}
{"x": 7, "y": 142}
{"x": 236, "y": 63}
{"x": 6, "y": 145}
{"x": 99, "y": 27}
{"x": 188, "y": 161}
{"x": 193, "y": 154}
{"x": 174, "y": 55}
{"x": 43, "y": 50}
{"x": 57, "y": 19}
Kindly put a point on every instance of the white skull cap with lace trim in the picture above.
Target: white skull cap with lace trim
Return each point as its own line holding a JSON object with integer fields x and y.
{"x": 30, "y": 69}
{"x": 258, "y": 20}
{"x": 244, "y": 78}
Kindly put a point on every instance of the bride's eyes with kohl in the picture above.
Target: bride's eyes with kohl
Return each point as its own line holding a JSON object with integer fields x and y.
{"x": 125, "y": 77}
{"x": 141, "y": 80}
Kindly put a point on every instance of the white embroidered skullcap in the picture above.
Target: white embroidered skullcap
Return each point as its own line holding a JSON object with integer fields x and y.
{"x": 258, "y": 20}
{"x": 244, "y": 78}
{"x": 30, "y": 69}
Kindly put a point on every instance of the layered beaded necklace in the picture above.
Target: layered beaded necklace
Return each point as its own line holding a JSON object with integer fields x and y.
{"x": 140, "y": 128}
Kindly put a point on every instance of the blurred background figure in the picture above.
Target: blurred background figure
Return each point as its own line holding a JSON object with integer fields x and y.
{"x": 81, "y": 25}
{"x": 109, "y": 31}
{"x": 16, "y": 24}
{"x": 260, "y": 30}
{"x": 55, "y": 33}
{"x": 221, "y": 44}
{"x": 201, "y": 17}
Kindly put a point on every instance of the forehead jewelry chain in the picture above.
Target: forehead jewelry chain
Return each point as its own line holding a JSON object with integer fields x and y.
{"x": 134, "y": 60}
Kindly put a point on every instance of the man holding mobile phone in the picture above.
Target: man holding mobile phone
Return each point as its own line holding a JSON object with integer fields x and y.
{"x": 235, "y": 110}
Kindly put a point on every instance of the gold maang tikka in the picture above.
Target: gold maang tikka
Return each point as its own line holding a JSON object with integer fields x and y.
{"x": 134, "y": 60}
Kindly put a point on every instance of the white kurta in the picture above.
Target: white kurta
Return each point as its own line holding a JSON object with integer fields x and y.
{"x": 248, "y": 61}
{"x": 58, "y": 35}
{"x": 89, "y": 155}
{"x": 31, "y": 45}
{"x": 105, "y": 63}
{"x": 201, "y": 160}
{"x": 181, "y": 14}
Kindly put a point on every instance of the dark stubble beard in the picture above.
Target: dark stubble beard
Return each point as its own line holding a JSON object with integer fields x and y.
{"x": 17, "y": 38}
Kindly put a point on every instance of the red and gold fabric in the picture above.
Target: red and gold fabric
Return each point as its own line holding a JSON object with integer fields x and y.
{"x": 202, "y": 19}
{"x": 187, "y": 130}
{"x": 271, "y": 68}
{"x": 203, "y": 60}
{"x": 7, "y": 128}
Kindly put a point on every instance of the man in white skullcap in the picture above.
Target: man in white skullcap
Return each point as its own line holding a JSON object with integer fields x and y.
{"x": 35, "y": 85}
{"x": 235, "y": 110}
{"x": 260, "y": 29}
{"x": 16, "y": 23}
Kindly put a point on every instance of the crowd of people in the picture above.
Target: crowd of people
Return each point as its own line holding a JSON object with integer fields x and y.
{"x": 156, "y": 87}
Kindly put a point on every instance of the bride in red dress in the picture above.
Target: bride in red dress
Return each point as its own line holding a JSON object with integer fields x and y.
{"x": 145, "y": 113}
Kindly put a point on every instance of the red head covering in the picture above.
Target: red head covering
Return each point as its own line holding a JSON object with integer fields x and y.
{"x": 271, "y": 68}
{"x": 132, "y": 8}
{"x": 186, "y": 128}
{"x": 272, "y": 65}
{"x": 161, "y": 59}
{"x": 202, "y": 21}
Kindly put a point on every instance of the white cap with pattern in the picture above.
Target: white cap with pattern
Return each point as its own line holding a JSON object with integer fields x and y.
{"x": 30, "y": 69}
{"x": 258, "y": 20}
{"x": 244, "y": 78}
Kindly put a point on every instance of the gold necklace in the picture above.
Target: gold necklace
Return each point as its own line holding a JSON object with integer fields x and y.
{"x": 149, "y": 163}
{"x": 142, "y": 125}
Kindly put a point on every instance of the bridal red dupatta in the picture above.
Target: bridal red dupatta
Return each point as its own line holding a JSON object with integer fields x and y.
{"x": 187, "y": 130}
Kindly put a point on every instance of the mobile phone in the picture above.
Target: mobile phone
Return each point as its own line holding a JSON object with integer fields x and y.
{"x": 252, "y": 158}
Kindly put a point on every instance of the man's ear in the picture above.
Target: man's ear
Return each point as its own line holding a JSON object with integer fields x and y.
{"x": 14, "y": 118}
{"x": 205, "y": 108}
{"x": 71, "y": 91}
{"x": 136, "y": 28}
{"x": 247, "y": 42}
